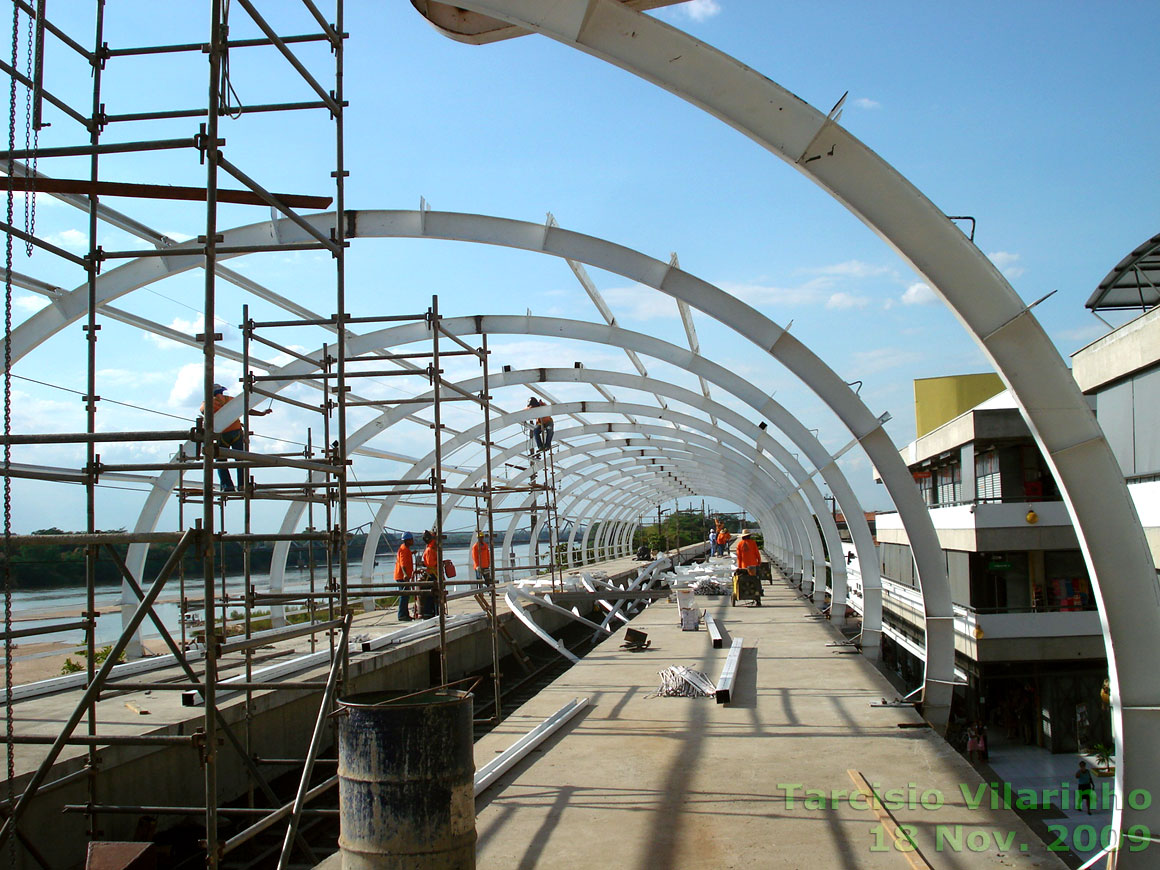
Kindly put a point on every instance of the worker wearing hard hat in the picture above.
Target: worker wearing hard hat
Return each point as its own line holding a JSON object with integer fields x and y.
{"x": 230, "y": 437}
{"x": 427, "y": 603}
{"x": 480, "y": 557}
{"x": 723, "y": 538}
{"x": 748, "y": 556}
{"x": 544, "y": 427}
{"x": 404, "y": 573}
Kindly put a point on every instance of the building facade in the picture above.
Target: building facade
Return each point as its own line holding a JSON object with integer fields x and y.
{"x": 1029, "y": 646}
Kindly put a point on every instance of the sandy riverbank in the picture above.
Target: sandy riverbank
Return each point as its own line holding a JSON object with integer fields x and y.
{"x": 40, "y": 661}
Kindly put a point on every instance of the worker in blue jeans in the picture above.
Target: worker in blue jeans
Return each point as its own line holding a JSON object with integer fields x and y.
{"x": 404, "y": 573}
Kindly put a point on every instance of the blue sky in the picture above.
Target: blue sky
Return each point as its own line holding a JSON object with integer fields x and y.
{"x": 1033, "y": 117}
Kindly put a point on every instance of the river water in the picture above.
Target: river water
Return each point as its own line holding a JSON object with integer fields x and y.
{"x": 43, "y": 607}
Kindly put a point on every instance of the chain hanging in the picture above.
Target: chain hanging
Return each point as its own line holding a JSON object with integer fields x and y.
{"x": 31, "y": 137}
{"x": 9, "y": 721}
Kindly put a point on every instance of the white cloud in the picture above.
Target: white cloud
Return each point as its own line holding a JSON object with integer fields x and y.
{"x": 178, "y": 324}
{"x": 812, "y": 292}
{"x": 918, "y": 294}
{"x": 841, "y": 301}
{"x": 132, "y": 377}
{"x": 700, "y": 10}
{"x": 31, "y": 304}
{"x": 188, "y": 385}
{"x": 868, "y": 362}
{"x": 70, "y": 240}
{"x": 640, "y": 303}
{"x": 851, "y": 269}
{"x": 1007, "y": 263}
{"x": 867, "y": 103}
{"x": 192, "y": 327}
{"x": 178, "y": 237}
{"x": 43, "y": 200}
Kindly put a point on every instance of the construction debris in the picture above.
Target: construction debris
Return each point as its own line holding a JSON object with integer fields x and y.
{"x": 635, "y": 641}
{"x": 709, "y": 586}
{"x": 679, "y": 681}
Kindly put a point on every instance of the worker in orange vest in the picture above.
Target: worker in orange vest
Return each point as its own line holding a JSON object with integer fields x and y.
{"x": 480, "y": 557}
{"x": 231, "y": 437}
{"x": 431, "y": 563}
{"x": 404, "y": 572}
{"x": 748, "y": 556}
{"x": 723, "y": 539}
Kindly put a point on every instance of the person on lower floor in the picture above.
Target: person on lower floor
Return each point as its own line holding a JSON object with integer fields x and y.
{"x": 1085, "y": 787}
{"x": 404, "y": 573}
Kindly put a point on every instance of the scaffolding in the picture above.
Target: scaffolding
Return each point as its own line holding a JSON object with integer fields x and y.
{"x": 212, "y": 639}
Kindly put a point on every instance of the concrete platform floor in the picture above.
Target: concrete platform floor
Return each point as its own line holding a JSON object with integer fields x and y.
{"x": 642, "y": 783}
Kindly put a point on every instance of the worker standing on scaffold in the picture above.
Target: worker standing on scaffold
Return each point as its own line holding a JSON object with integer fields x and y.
{"x": 230, "y": 437}
{"x": 542, "y": 433}
{"x": 404, "y": 573}
{"x": 481, "y": 557}
{"x": 427, "y": 606}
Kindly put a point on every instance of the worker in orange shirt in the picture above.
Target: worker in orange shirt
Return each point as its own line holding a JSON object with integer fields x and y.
{"x": 231, "y": 437}
{"x": 404, "y": 573}
{"x": 480, "y": 557}
{"x": 748, "y": 556}
{"x": 723, "y": 539}
{"x": 431, "y": 563}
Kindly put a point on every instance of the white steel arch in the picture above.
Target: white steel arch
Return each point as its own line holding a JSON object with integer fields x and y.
{"x": 739, "y": 449}
{"x": 752, "y": 431}
{"x": 1092, "y": 485}
{"x": 500, "y": 421}
{"x": 703, "y": 460}
{"x": 763, "y": 404}
{"x": 648, "y": 271}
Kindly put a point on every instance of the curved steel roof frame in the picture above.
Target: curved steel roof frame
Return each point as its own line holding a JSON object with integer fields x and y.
{"x": 664, "y": 276}
{"x": 739, "y": 448}
{"x": 699, "y": 463}
{"x": 667, "y": 438}
{"x": 696, "y": 400}
{"x": 647, "y": 487}
{"x": 586, "y": 331}
{"x": 1092, "y": 485}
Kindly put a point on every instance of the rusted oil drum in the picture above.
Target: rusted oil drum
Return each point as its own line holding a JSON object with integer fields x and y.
{"x": 406, "y": 781}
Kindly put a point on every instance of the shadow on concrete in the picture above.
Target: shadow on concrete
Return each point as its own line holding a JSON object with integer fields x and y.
{"x": 629, "y": 693}
{"x": 745, "y": 683}
{"x": 543, "y": 834}
{"x": 528, "y": 760}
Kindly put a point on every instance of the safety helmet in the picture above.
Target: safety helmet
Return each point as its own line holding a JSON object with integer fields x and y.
{"x": 408, "y": 537}
{"x": 218, "y": 388}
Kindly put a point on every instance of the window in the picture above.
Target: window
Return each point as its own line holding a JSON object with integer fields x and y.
{"x": 925, "y": 482}
{"x": 987, "y": 486}
{"x": 949, "y": 484}
{"x": 1066, "y": 581}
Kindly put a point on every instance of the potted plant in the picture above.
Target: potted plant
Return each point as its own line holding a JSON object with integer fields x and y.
{"x": 1103, "y": 756}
